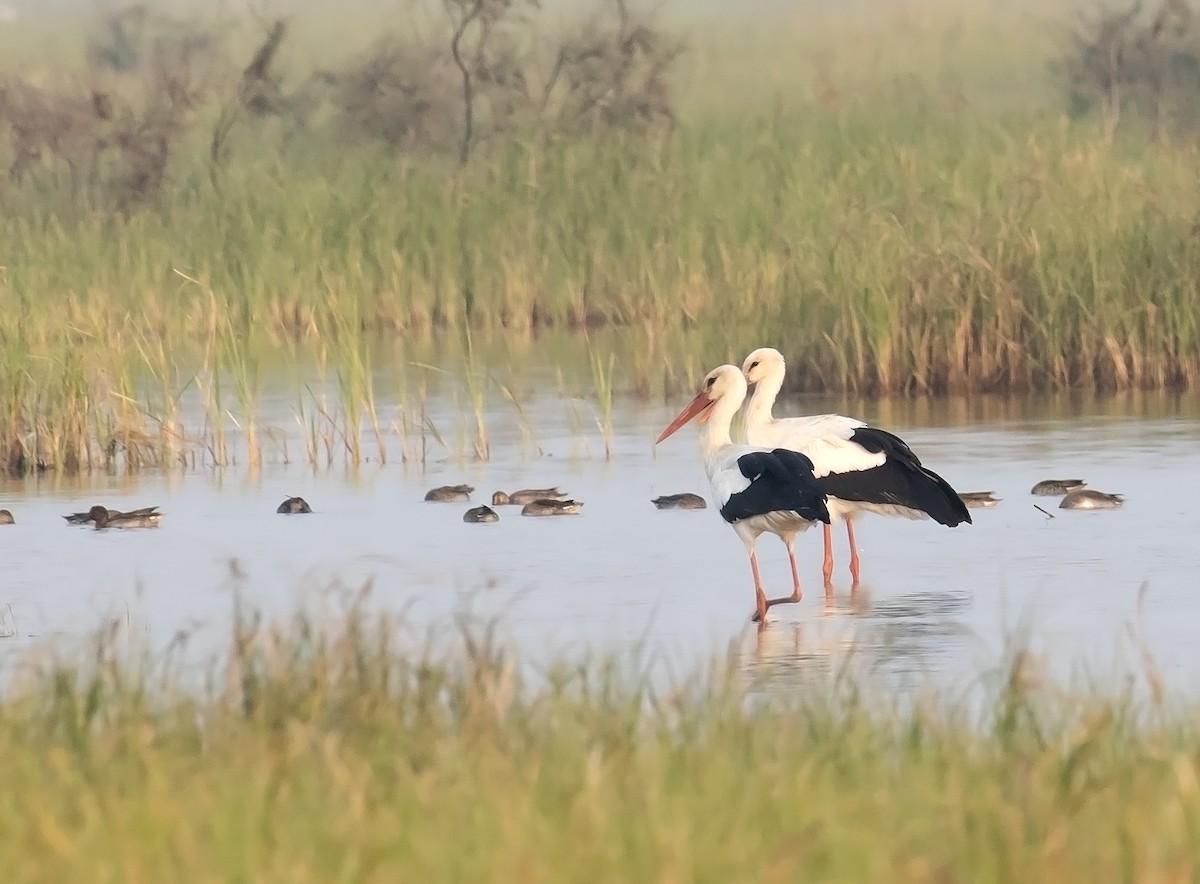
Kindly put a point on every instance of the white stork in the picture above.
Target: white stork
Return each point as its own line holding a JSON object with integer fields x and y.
{"x": 860, "y": 468}
{"x": 757, "y": 490}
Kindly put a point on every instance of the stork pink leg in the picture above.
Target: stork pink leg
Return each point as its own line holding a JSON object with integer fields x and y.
{"x": 827, "y": 567}
{"x": 854, "y": 563}
{"x": 760, "y": 596}
{"x": 797, "y": 593}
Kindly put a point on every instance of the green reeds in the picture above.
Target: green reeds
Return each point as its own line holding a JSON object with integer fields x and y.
{"x": 602, "y": 380}
{"x": 476, "y": 378}
{"x": 890, "y": 218}
{"x": 933, "y": 258}
{"x": 352, "y": 746}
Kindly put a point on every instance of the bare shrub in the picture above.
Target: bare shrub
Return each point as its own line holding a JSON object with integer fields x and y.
{"x": 494, "y": 75}
{"x": 400, "y": 93}
{"x": 114, "y": 147}
{"x": 44, "y": 124}
{"x": 486, "y": 70}
{"x": 613, "y": 74}
{"x": 259, "y": 93}
{"x": 133, "y": 39}
{"x": 1138, "y": 64}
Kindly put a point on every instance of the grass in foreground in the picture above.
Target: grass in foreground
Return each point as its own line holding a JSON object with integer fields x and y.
{"x": 344, "y": 755}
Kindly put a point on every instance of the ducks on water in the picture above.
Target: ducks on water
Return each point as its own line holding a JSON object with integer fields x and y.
{"x": 450, "y": 493}
{"x": 526, "y": 495}
{"x": 685, "y": 501}
{"x": 552, "y": 507}
{"x": 1087, "y": 499}
{"x": 294, "y": 505}
{"x": 979, "y": 499}
{"x": 1055, "y": 487}
{"x": 90, "y": 516}
{"x": 103, "y": 518}
{"x": 480, "y": 515}
{"x": 6, "y": 518}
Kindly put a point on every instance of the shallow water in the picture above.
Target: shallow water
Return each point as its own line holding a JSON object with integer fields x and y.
{"x": 937, "y": 604}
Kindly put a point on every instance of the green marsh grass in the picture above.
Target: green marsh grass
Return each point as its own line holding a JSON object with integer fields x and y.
{"x": 476, "y": 383}
{"x": 355, "y": 749}
{"x": 529, "y": 437}
{"x": 899, "y": 215}
{"x": 602, "y": 375}
{"x": 954, "y": 257}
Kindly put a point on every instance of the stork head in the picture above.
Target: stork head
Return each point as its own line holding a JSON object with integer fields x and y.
{"x": 762, "y": 362}
{"x": 722, "y": 381}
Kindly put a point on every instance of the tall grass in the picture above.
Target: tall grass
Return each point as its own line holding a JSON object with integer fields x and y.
{"x": 350, "y": 751}
{"x": 930, "y": 255}
{"x": 913, "y": 254}
{"x": 895, "y": 221}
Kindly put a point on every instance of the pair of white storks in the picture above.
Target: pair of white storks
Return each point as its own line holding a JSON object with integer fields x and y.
{"x": 799, "y": 471}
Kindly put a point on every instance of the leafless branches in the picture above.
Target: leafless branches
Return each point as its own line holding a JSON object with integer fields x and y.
{"x": 489, "y": 71}
{"x": 1132, "y": 62}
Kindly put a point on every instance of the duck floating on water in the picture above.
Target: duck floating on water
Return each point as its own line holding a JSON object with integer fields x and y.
{"x": 480, "y": 515}
{"x": 526, "y": 495}
{"x": 294, "y": 505}
{"x": 450, "y": 493}
{"x": 1055, "y": 487}
{"x": 979, "y": 499}
{"x": 550, "y": 507}
{"x": 89, "y": 517}
{"x": 103, "y": 518}
{"x": 685, "y": 501}
{"x": 1087, "y": 499}
{"x": 6, "y": 518}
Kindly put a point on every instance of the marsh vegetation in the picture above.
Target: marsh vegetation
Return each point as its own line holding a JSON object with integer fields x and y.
{"x": 474, "y": 231}
{"x": 354, "y": 750}
{"x": 927, "y": 200}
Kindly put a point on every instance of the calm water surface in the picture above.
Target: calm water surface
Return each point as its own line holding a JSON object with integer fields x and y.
{"x": 937, "y": 604}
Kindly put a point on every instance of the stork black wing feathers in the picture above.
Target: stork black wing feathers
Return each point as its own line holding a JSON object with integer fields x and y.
{"x": 780, "y": 481}
{"x": 900, "y": 480}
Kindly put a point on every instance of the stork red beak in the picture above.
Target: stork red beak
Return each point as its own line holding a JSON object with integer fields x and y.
{"x": 699, "y": 405}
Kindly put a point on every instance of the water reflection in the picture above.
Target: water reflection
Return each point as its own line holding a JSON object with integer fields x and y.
{"x": 903, "y": 638}
{"x": 625, "y": 574}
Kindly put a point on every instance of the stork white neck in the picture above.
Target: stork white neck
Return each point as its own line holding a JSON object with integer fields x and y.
{"x": 715, "y": 434}
{"x": 766, "y": 389}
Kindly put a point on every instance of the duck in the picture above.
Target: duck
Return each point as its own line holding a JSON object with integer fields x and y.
{"x": 480, "y": 515}
{"x": 294, "y": 505}
{"x": 88, "y": 517}
{"x": 861, "y": 469}
{"x": 6, "y": 518}
{"x": 1087, "y": 499}
{"x": 106, "y": 519}
{"x": 526, "y": 495}
{"x": 450, "y": 493}
{"x": 550, "y": 507}
{"x": 685, "y": 501}
{"x": 979, "y": 499}
{"x": 1055, "y": 487}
